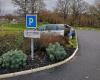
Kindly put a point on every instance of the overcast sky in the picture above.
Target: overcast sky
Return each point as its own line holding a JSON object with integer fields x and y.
{"x": 50, "y": 4}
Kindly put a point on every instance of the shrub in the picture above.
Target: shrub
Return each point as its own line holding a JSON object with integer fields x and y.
{"x": 73, "y": 43}
{"x": 0, "y": 62}
{"x": 13, "y": 59}
{"x": 19, "y": 38}
{"x": 7, "y": 42}
{"x": 10, "y": 42}
{"x": 43, "y": 42}
{"x": 26, "y": 46}
{"x": 56, "y": 52}
{"x": 46, "y": 39}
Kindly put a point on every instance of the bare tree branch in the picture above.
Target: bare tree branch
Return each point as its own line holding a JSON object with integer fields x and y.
{"x": 63, "y": 7}
{"x": 78, "y": 7}
{"x": 28, "y": 6}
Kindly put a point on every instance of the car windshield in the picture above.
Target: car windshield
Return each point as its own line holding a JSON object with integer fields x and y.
{"x": 54, "y": 27}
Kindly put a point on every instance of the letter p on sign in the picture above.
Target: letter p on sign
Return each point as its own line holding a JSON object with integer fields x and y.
{"x": 31, "y": 21}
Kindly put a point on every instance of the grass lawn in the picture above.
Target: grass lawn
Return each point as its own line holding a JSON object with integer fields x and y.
{"x": 15, "y": 27}
{"x": 8, "y": 28}
{"x": 12, "y": 27}
{"x": 88, "y": 28}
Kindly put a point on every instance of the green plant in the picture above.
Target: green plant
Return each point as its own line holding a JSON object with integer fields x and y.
{"x": 13, "y": 59}
{"x": 7, "y": 42}
{"x": 10, "y": 42}
{"x": 73, "y": 43}
{"x": 56, "y": 52}
{"x": 19, "y": 38}
{"x": 0, "y": 62}
{"x": 46, "y": 39}
{"x": 26, "y": 46}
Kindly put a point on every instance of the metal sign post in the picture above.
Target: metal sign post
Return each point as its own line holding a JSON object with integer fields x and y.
{"x": 31, "y": 22}
{"x": 32, "y": 48}
{"x": 32, "y": 34}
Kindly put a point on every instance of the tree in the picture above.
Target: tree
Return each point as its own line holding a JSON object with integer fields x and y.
{"x": 40, "y": 6}
{"x": 78, "y": 7}
{"x": 28, "y": 6}
{"x": 74, "y": 8}
{"x": 9, "y": 17}
{"x": 22, "y": 8}
{"x": 36, "y": 6}
{"x": 95, "y": 13}
{"x": 63, "y": 7}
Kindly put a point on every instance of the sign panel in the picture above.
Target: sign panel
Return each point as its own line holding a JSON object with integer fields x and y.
{"x": 31, "y": 21}
{"x": 31, "y": 34}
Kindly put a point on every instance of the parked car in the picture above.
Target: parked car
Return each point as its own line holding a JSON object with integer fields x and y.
{"x": 61, "y": 29}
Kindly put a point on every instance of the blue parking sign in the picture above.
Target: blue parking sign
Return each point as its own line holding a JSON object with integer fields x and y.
{"x": 31, "y": 21}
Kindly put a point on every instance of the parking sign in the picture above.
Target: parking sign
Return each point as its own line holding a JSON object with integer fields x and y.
{"x": 31, "y": 21}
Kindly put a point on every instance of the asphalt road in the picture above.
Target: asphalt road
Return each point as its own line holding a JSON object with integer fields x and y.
{"x": 86, "y": 66}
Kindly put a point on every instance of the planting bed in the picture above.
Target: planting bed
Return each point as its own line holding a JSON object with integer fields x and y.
{"x": 40, "y": 60}
{"x": 41, "y": 57}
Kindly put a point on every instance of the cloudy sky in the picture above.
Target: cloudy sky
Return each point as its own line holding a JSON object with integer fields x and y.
{"x": 50, "y": 4}
{"x": 7, "y": 6}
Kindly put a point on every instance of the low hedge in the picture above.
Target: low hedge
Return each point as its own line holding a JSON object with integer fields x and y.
{"x": 13, "y": 59}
